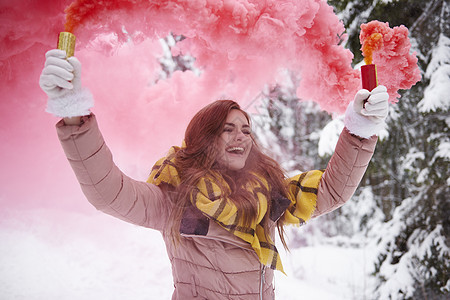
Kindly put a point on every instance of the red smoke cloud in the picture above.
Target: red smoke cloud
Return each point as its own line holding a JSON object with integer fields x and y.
{"x": 239, "y": 47}
{"x": 240, "y": 42}
{"x": 389, "y": 48}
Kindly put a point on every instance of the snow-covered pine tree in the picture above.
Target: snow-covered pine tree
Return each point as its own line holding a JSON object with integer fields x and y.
{"x": 170, "y": 63}
{"x": 409, "y": 174}
{"x": 289, "y": 129}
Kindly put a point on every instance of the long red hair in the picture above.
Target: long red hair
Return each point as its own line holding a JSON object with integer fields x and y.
{"x": 198, "y": 159}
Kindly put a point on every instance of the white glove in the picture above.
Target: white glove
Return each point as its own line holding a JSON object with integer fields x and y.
{"x": 61, "y": 81}
{"x": 367, "y": 118}
{"x": 377, "y": 105}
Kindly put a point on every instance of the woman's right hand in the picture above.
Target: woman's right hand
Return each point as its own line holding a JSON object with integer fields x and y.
{"x": 61, "y": 81}
{"x": 60, "y": 74}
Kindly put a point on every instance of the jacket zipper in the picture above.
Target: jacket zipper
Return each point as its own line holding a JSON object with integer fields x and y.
{"x": 262, "y": 281}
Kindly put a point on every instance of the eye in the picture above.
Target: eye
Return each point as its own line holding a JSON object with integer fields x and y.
{"x": 227, "y": 129}
{"x": 246, "y": 131}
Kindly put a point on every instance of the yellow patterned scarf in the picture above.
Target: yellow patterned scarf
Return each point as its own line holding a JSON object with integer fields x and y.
{"x": 212, "y": 202}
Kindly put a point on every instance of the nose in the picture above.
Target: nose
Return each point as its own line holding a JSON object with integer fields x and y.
{"x": 239, "y": 135}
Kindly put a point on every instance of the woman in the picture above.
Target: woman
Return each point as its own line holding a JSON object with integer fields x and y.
{"x": 218, "y": 198}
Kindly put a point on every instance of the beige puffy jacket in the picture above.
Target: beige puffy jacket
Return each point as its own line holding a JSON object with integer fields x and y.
{"x": 217, "y": 265}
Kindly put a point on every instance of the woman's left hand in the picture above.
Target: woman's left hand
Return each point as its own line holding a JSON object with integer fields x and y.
{"x": 374, "y": 105}
{"x": 366, "y": 114}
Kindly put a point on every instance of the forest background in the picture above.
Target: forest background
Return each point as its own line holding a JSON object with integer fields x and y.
{"x": 402, "y": 208}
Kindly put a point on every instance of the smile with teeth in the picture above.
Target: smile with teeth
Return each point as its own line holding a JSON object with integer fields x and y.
{"x": 235, "y": 150}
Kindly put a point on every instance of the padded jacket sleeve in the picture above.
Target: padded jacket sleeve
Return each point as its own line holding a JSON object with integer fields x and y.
{"x": 104, "y": 185}
{"x": 344, "y": 171}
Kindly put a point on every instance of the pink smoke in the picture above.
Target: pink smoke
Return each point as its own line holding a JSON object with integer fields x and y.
{"x": 397, "y": 67}
{"x": 239, "y": 47}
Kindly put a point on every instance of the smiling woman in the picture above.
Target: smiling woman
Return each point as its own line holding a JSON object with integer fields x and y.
{"x": 218, "y": 199}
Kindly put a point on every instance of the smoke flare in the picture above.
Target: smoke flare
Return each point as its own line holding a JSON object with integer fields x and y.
{"x": 389, "y": 48}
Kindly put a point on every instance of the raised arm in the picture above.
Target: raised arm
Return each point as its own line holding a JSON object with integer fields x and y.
{"x": 103, "y": 184}
{"x": 364, "y": 118}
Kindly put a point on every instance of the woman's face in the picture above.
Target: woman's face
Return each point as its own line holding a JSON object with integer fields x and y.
{"x": 235, "y": 142}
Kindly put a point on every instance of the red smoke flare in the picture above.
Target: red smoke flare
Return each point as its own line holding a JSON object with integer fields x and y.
{"x": 389, "y": 48}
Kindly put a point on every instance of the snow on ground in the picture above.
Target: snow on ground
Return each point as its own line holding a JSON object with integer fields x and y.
{"x": 48, "y": 254}
{"x": 324, "y": 272}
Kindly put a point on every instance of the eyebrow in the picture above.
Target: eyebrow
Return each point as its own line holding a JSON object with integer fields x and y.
{"x": 233, "y": 125}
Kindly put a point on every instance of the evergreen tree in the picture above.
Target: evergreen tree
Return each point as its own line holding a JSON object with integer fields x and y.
{"x": 289, "y": 129}
{"x": 409, "y": 173}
